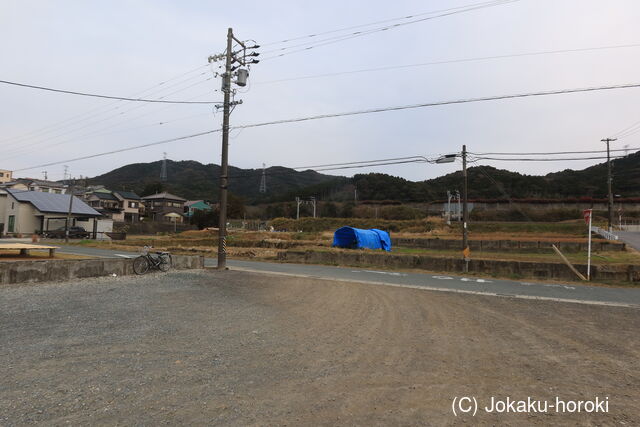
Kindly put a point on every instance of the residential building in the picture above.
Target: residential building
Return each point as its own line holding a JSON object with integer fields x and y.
{"x": 29, "y": 212}
{"x": 190, "y": 206}
{"x": 159, "y": 207}
{"x": 5, "y": 176}
{"x": 131, "y": 205}
{"x": 106, "y": 203}
{"x": 30, "y": 184}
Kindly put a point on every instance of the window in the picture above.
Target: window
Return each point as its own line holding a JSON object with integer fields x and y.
{"x": 1, "y": 174}
{"x": 157, "y": 203}
{"x": 133, "y": 204}
{"x": 13, "y": 205}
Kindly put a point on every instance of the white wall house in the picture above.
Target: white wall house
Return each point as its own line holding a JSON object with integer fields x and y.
{"x": 29, "y": 212}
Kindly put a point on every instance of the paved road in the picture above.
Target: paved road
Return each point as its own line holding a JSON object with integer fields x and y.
{"x": 632, "y": 238}
{"x": 572, "y": 292}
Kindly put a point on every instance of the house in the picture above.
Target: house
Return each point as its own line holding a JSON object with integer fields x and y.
{"x": 29, "y": 212}
{"x": 158, "y": 207}
{"x": 106, "y": 203}
{"x": 190, "y": 206}
{"x": 120, "y": 206}
{"x": 131, "y": 205}
{"x": 5, "y": 176}
{"x": 30, "y": 184}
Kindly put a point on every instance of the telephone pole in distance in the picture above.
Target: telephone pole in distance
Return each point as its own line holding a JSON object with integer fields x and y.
{"x": 609, "y": 181}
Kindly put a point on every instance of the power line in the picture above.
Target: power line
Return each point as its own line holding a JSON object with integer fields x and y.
{"x": 545, "y": 159}
{"x": 450, "y": 61}
{"x": 551, "y": 153}
{"x": 434, "y": 104}
{"x": 76, "y": 128}
{"x": 121, "y": 150}
{"x": 337, "y": 39}
{"x": 70, "y": 92}
{"x": 351, "y": 113}
{"x": 370, "y": 24}
{"x": 58, "y": 124}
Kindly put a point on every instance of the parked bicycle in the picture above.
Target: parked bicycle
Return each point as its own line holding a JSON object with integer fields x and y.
{"x": 158, "y": 260}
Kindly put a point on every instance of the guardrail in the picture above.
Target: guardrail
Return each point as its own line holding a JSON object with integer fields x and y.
{"x": 605, "y": 233}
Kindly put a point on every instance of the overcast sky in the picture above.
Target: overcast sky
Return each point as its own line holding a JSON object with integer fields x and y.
{"x": 127, "y": 48}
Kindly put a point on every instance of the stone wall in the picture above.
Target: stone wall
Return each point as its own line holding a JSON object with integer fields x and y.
{"x": 519, "y": 269}
{"x": 506, "y": 245}
{"x": 52, "y": 270}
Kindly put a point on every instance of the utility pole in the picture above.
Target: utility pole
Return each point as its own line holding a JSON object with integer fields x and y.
{"x": 66, "y": 225}
{"x": 465, "y": 217}
{"x": 230, "y": 57}
{"x": 297, "y": 208}
{"x": 609, "y": 180}
{"x": 313, "y": 200}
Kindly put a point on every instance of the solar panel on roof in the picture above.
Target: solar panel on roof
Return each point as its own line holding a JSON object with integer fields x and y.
{"x": 50, "y": 202}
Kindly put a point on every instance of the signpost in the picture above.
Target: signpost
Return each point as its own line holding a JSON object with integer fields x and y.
{"x": 588, "y": 214}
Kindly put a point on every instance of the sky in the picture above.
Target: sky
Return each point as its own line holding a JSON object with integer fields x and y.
{"x": 159, "y": 49}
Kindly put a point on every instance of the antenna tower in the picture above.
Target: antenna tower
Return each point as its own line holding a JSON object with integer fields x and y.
{"x": 263, "y": 181}
{"x": 163, "y": 172}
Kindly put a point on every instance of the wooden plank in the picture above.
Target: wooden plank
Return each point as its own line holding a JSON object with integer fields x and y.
{"x": 566, "y": 261}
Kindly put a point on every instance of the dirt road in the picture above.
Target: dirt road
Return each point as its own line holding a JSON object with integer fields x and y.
{"x": 247, "y": 349}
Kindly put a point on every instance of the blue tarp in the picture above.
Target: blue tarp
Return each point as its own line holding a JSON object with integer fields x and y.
{"x": 350, "y": 237}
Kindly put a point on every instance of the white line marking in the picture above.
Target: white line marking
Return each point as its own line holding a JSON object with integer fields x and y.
{"x": 390, "y": 273}
{"x": 123, "y": 256}
{"x": 457, "y": 291}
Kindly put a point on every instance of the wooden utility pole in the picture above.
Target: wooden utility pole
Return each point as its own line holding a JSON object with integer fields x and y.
{"x": 609, "y": 181}
{"x": 66, "y": 225}
{"x": 226, "y": 88}
{"x": 465, "y": 212}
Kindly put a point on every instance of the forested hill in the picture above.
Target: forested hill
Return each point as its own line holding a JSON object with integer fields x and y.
{"x": 193, "y": 180}
{"x": 487, "y": 182}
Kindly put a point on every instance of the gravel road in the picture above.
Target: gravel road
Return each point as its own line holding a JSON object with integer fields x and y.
{"x": 237, "y": 348}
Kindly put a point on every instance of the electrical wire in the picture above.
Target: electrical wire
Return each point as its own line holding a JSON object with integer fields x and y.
{"x": 545, "y": 159}
{"x": 440, "y": 103}
{"x": 58, "y": 124}
{"x": 450, "y": 61}
{"x": 122, "y": 150}
{"x": 71, "y": 92}
{"x": 337, "y": 39}
{"x": 369, "y": 24}
{"x": 551, "y": 153}
{"x": 22, "y": 148}
{"x": 351, "y": 113}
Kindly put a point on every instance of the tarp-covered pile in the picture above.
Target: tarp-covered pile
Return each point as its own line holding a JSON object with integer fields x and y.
{"x": 354, "y": 238}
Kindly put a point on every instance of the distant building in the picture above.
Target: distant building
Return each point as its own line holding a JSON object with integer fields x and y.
{"x": 120, "y": 206}
{"x": 131, "y": 205}
{"x": 30, "y": 184}
{"x": 29, "y": 212}
{"x": 5, "y": 176}
{"x": 159, "y": 206}
{"x": 191, "y": 206}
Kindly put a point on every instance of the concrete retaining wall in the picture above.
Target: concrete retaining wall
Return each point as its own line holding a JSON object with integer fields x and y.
{"x": 65, "y": 269}
{"x": 502, "y": 245}
{"x": 537, "y": 270}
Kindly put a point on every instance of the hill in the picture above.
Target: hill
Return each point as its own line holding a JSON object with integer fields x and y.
{"x": 193, "y": 180}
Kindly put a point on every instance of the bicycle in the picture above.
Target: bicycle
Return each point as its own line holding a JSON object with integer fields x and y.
{"x": 161, "y": 261}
